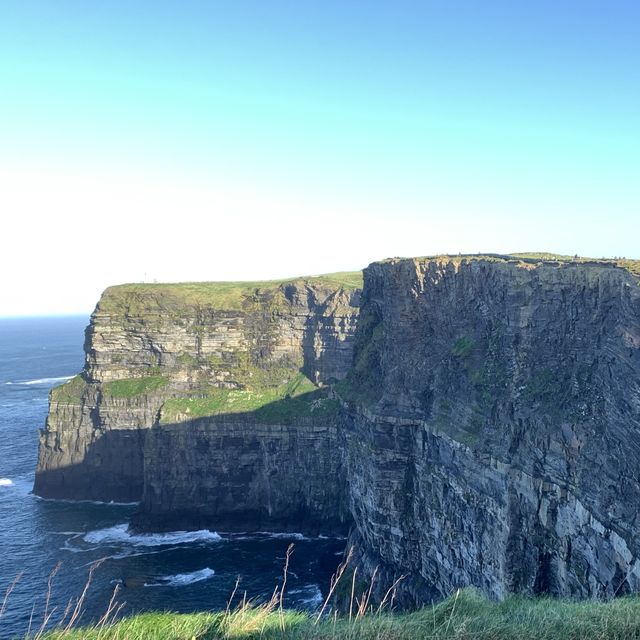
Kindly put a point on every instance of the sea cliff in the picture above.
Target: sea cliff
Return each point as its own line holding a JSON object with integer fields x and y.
{"x": 193, "y": 392}
{"x": 478, "y": 427}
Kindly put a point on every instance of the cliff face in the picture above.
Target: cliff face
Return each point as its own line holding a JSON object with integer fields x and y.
{"x": 481, "y": 427}
{"x": 494, "y": 427}
{"x": 193, "y": 362}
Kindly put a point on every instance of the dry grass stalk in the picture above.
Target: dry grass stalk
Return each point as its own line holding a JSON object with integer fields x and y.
{"x": 10, "y": 588}
{"x": 284, "y": 583}
{"x": 78, "y": 608}
{"x": 453, "y": 609}
{"x": 233, "y": 593}
{"x": 335, "y": 579}
{"x": 47, "y": 614}
{"x": 112, "y": 609}
{"x": 391, "y": 591}
{"x": 353, "y": 590}
{"x": 363, "y": 604}
{"x": 247, "y": 618}
{"x": 33, "y": 610}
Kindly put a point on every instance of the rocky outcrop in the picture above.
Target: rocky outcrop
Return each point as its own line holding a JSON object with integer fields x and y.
{"x": 165, "y": 355}
{"x": 494, "y": 428}
{"x": 480, "y": 427}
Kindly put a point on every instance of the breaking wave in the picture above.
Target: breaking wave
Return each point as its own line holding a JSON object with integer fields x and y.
{"x": 267, "y": 535}
{"x": 119, "y": 534}
{"x": 5, "y": 482}
{"x": 43, "y": 380}
{"x": 181, "y": 579}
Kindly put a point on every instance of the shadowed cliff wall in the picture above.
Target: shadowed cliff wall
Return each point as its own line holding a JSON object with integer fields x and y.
{"x": 494, "y": 427}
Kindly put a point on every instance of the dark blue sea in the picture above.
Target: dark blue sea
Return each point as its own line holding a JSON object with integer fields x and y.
{"x": 178, "y": 571}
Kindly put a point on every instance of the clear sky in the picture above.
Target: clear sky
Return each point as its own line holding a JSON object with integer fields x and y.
{"x": 186, "y": 140}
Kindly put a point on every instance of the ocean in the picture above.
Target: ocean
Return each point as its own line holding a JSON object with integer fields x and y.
{"x": 57, "y": 542}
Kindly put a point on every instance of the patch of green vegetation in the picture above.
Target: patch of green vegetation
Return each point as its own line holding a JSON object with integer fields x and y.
{"x": 463, "y": 347}
{"x": 171, "y": 298}
{"x": 464, "y": 616}
{"x": 131, "y": 387}
{"x": 630, "y": 265}
{"x": 348, "y": 280}
{"x": 288, "y": 399}
{"x": 70, "y": 392}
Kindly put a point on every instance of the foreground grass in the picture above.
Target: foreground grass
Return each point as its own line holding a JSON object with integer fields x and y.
{"x": 466, "y": 615}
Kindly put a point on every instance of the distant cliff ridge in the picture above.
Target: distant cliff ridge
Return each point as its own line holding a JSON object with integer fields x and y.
{"x": 481, "y": 426}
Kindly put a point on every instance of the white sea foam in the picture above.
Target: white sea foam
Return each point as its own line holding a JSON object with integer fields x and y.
{"x": 182, "y": 579}
{"x": 283, "y": 535}
{"x": 5, "y": 482}
{"x": 119, "y": 534}
{"x": 48, "y": 380}
{"x": 269, "y": 535}
{"x": 43, "y": 380}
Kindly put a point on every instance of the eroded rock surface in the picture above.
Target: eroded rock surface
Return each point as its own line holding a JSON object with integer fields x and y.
{"x": 494, "y": 428}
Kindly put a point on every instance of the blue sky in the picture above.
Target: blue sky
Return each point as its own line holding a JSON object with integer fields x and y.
{"x": 211, "y": 140}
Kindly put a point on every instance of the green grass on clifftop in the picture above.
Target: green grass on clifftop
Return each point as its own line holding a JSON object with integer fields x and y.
{"x": 228, "y": 296}
{"x": 467, "y": 616}
{"x": 70, "y": 392}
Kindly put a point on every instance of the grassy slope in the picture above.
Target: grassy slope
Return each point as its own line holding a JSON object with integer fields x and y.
{"x": 466, "y": 615}
{"x": 69, "y": 392}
